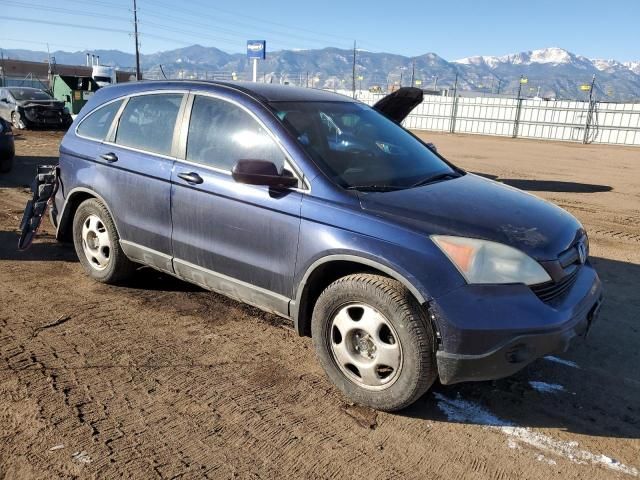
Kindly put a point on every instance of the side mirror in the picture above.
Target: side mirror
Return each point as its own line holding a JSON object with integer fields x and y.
{"x": 262, "y": 172}
{"x": 432, "y": 147}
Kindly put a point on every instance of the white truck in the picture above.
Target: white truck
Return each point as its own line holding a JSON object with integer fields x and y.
{"x": 103, "y": 75}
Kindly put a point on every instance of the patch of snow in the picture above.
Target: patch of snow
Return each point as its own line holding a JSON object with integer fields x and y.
{"x": 546, "y": 387}
{"x": 81, "y": 457}
{"x": 562, "y": 361}
{"x": 550, "y": 55}
{"x": 460, "y": 410}
{"x": 548, "y": 461}
{"x": 633, "y": 66}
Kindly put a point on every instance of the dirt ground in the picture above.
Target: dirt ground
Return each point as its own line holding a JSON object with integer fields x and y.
{"x": 159, "y": 378}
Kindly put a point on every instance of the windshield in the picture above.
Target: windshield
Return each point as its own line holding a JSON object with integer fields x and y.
{"x": 29, "y": 94}
{"x": 357, "y": 146}
{"x": 102, "y": 79}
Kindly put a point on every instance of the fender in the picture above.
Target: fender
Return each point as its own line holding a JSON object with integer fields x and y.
{"x": 295, "y": 306}
{"x": 64, "y": 212}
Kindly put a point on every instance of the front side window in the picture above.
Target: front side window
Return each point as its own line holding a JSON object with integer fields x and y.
{"x": 221, "y": 133}
{"x": 148, "y": 121}
{"x": 357, "y": 147}
{"x": 96, "y": 125}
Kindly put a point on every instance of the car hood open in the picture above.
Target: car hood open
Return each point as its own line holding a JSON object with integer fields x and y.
{"x": 397, "y": 105}
{"x": 472, "y": 206}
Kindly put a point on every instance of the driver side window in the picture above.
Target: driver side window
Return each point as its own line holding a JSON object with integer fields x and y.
{"x": 221, "y": 133}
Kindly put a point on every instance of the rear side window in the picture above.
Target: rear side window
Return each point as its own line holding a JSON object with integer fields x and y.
{"x": 221, "y": 133}
{"x": 96, "y": 125}
{"x": 147, "y": 122}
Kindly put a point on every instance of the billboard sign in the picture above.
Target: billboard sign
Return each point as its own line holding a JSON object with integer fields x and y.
{"x": 257, "y": 49}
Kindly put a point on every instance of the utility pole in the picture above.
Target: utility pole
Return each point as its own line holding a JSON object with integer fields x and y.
{"x": 413, "y": 72}
{"x": 516, "y": 122}
{"x": 454, "y": 106}
{"x": 135, "y": 35}
{"x": 2, "y": 67}
{"x": 590, "y": 111}
{"x": 354, "y": 70}
{"x": 520, "y": 86}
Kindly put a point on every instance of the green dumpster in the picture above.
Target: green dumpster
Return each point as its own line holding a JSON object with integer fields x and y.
{"x": 74, "y": 91}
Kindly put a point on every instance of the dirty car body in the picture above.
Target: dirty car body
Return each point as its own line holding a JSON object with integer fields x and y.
{"x": 32, "y": 108}
{"x": 502, "y": 277}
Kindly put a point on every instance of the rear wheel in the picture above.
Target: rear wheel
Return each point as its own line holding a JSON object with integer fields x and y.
{"x": 374, "y": 341}
{"x": 17, "y": 121}
{"x": 97, "y": 244}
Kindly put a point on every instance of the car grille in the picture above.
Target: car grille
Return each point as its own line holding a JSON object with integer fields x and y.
{"x": 570, "y": 262}
{"x": 548, "y": 292}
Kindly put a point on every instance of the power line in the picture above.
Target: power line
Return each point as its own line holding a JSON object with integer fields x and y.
{"x": 67, "y": 11}
{"x": 71, "y": 25}
{"x": 215, "y": 20}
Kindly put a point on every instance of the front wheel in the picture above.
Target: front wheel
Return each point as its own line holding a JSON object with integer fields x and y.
{"x": 374, "y": 341}
{"x": 97, "y": 244}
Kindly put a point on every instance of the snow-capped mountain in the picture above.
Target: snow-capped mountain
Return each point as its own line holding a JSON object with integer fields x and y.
{"x": 553, "y": 56}
{"x": 551, "y": 72}
{"x": 633, "y": 66}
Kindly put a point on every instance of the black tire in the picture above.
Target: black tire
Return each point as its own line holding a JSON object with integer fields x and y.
{"x": 412, "y": 327}
{"x": 118, "y": 267}
{"x": 17, "y": 122}
{"x": 6, "y": 164}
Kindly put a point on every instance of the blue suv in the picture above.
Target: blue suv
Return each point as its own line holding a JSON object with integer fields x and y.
{"x": 402, "y": 267}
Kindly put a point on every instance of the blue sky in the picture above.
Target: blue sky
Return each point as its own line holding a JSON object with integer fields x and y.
{"x": 451, "y": 29}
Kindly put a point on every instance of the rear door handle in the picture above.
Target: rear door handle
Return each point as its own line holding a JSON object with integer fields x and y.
{"x": 109, "y": 157}
{"x": 191, "y": 177}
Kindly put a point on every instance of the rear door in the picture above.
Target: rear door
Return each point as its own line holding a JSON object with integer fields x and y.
{"x": 237, "y": 239}
{"x": 137, "y": 162}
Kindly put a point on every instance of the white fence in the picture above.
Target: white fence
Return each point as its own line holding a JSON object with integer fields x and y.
{"x": 573, "y": 121}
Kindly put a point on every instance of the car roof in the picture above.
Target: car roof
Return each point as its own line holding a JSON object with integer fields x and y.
{"x": 263, "y": 92}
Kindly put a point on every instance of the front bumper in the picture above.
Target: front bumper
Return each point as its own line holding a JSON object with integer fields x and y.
{"x": 492, "y": 331}
{"x": 45, "y": 118}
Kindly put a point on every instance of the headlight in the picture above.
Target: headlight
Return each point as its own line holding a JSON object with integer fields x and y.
{"x": 482, "y": 261}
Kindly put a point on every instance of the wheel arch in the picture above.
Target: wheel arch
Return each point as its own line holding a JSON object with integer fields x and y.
{"x": 321, "y": 273}
{"x": 74, "y": 199}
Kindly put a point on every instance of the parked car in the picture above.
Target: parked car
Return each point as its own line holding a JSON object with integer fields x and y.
{"x": 31, "y": 107}
{"x": 7, "y": 148}
{"x": 401, "y": 266}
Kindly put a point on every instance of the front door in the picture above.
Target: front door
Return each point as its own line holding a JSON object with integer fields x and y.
{"x": 240, "y": 240}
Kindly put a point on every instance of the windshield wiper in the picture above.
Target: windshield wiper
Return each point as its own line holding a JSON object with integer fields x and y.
{"x": 375, "y": 188}
{"x": 435, "y": 178}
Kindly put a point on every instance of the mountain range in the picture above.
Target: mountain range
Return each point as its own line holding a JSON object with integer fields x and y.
{"x": 550, "y": 72}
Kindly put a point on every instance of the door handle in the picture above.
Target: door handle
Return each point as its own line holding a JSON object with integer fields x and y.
{"x": 109, "y": 157}
{"x": 191, "y": 177}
